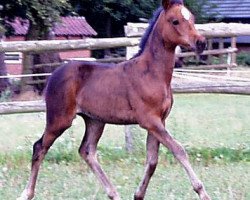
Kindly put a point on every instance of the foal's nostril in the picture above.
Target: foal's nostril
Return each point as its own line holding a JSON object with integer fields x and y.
{"x": 200, "y": 46}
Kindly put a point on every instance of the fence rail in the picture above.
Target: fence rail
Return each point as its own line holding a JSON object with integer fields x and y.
{"x": 66, "y": 45}
{"x": 209, "y": 30}
{"x": 184, "y": 81}
{"x": 132, "y": 39}
{"x": 22, "y": 107}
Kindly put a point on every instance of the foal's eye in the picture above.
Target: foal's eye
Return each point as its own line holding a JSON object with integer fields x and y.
{"x": 175, "y": 22}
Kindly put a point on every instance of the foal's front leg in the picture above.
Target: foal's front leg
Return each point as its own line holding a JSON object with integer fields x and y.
{"x": 156, "y": 127}
{"x": 151, "y": 163}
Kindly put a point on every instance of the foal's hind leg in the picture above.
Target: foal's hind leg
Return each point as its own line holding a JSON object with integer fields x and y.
{"x": 40, "y": 148}
{"x": 87, "y": 150}
{"x": 152, "y": 160}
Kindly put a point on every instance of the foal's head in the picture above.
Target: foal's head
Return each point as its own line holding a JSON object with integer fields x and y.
{"x": 177, "y": 24}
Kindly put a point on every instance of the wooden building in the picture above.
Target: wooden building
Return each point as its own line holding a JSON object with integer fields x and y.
{"x": 236, "y": 11}
{"x": 70, "y": 28}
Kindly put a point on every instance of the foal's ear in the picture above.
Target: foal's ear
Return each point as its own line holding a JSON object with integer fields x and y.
{"x": 167, "y": 3}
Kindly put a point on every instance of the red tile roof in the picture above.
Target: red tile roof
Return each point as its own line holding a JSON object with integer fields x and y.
{"x": 69, "y": 26}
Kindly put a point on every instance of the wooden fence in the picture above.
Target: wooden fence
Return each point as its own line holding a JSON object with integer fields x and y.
{"x": 134, "y": 32}
{"x": 182, "y": 83}
{"x": 211, "y": 32}
{"x": 66, "y": 45}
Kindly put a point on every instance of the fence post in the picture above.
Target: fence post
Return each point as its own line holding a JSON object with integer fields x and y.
{"x": 27, "y": 64}
{"x": 210, "y": 47}
{"x": 221, "y": 46}
{"x": 132, "y": 30}
{"x": 233, "y": 45}
{"x": 129, "y": 139}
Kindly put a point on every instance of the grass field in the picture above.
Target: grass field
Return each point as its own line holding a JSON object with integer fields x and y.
{"x": 215, "y": 129}
{"x": 74, "y": 181}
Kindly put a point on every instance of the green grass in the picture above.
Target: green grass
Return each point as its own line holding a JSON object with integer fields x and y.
{"x": 211, "y": 120}
{"x": 75, "y": 181}
{"x": 214, "y": 129}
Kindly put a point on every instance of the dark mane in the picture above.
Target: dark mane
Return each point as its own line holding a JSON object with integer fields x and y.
{"x": 148, "y": 31}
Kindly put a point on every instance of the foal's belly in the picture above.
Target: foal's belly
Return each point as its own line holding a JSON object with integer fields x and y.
{"x": 113, "y": 109}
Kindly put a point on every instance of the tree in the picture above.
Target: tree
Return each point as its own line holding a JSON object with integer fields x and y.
{"x": 42, "y": 15}
{"x": 197, "y": 8}
{"x": 113, "y": 12}
{"x": 108, "y": 17}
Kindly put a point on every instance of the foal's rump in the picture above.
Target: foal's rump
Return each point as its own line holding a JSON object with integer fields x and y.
{"x": 60, "y": 94}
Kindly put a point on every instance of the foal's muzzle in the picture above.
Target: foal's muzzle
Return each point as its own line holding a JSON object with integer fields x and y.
{"x": 200, "y": 45}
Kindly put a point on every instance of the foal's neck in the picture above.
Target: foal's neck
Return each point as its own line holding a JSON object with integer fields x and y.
{"x": 162, "y": 56}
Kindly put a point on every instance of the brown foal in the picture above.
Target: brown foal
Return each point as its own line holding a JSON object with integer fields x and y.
{"x": 137, "y": 91}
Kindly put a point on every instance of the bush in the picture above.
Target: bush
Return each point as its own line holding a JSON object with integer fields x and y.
{"x": 5, "y": 95}
{"x": 243, "y": 59}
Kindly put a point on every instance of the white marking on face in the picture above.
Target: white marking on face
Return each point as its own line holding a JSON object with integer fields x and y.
{"x": 185, "y": 13}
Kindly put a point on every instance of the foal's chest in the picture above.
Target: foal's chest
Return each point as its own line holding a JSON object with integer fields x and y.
{"x": 167, "y": 102}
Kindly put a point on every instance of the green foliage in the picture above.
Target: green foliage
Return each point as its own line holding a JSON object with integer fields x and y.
{"x": 243, "y": 59}
{"x": 2, "y": 29}
{"x": 114, "y": 14}
{"x": 47, "y": 11}
{"x": 5, "y": 95}
{"x": 116, "y": 9}
{"x": 44, "y": 13}
{"x": 117, "y": 12}
{"x": 197, "y": 8}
